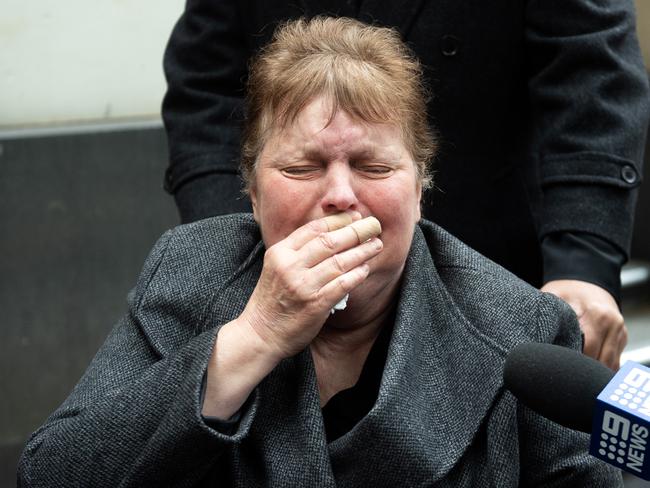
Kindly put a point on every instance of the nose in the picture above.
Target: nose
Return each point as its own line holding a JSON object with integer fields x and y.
{"x": 339, "y": 193}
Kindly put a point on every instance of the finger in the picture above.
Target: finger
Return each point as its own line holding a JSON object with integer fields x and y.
{"x": 366, "y": 228}
{"x": 623, "y": 343}
{"x": 594, "y": 339}
{"x": 613, "y": 345}
{"x": 609, "y": 353}
{"x": 299, "y": 237}
{"x": 328, "y": 244}
{"x": 341, "y": 263}
{"x": 334, "y": 291}
{"x": 339, "y": 221}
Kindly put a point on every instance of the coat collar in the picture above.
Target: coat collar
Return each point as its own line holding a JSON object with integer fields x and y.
{"x": 440, "y": 379}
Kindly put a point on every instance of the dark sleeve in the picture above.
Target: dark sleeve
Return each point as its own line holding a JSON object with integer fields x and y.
{"x": 134, "y": 418}
{"x": 205, "y": 66}
{"x": 552, "y": 456}
{"x": 588, "y": 91}
{"x": 584, "y": 257}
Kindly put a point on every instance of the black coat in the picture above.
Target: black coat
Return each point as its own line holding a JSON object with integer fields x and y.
{"x": 541, "y": 108}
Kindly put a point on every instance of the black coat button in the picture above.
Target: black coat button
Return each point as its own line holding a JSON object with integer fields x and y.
{"x": 449, "y": 45}
{"x": 628, "y": 173}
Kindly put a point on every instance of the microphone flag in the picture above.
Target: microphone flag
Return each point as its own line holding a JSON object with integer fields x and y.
{"x": 621, "y": 422}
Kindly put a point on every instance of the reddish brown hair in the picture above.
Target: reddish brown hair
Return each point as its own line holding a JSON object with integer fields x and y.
{"x": 366, "y": 71}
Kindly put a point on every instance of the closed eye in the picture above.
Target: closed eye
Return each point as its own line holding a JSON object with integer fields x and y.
{"x": 301, "y": 172}
{"x": 375, "y": 170}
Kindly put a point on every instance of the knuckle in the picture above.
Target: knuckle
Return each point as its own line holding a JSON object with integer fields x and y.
{"x": 298, "y": 296}
{"x": 294, "y": 286}
{"x": 348, "y": 281}
{"x": 315, "y": 226}
{"x": 605, "y": 314}
{"x": 279, "y": 259}
{"x": 593, "y": 309}
{"x": 300, "y": 291}
{"x": 615, "y": 319}
{"x": 272, "y": 254}
{"x": 344, "y": 284}
{"x": 602, "y": 314}
{"x": 327, "y": 241}
{"x": 620, "y": 321}
{"x": 320, "y": 299}
{"x": 338, "y": 263}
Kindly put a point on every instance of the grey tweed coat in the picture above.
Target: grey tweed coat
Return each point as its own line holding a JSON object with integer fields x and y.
{"x": 442, "y": 417}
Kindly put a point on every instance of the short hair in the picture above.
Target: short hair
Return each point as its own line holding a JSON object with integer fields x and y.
{"x": 366, "y": 71}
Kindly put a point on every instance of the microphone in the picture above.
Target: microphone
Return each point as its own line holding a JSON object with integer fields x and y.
{"x": 580, "y": 393}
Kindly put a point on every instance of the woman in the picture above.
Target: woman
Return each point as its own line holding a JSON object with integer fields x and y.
{"x": 232, "y": 368}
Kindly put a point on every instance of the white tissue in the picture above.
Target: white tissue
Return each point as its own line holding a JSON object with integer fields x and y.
{"x": 341, "y": 305}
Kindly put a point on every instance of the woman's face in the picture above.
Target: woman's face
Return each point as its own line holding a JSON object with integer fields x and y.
{"x": 308, "y": 171}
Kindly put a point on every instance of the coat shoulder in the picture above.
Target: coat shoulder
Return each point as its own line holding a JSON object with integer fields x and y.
{"x": 210, "y": 249}
{"x": 185, "y": 270}
{"x": 224, "y": 241}
{"x": 499, "y": 304}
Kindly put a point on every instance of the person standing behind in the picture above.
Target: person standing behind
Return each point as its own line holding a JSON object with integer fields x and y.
{"x": 541, "y": 113}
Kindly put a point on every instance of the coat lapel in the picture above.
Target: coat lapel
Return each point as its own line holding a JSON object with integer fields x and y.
{"x": 440, "y": 379}
{"x": 288, "y": 431}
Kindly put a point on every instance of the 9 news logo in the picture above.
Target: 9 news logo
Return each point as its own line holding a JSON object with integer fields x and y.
{"x": 623, "y": 442}
{"x": 622, "y": 421}
{"x": 632, "y": 392}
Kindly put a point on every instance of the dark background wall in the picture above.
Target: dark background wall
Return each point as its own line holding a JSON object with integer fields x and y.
{"x": 79, "y": 212}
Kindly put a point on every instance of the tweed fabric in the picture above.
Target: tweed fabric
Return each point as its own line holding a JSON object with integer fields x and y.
{"x": 442, "y": 417}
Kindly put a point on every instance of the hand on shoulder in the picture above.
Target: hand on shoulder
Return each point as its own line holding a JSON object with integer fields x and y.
{"x": 599, "y": 317}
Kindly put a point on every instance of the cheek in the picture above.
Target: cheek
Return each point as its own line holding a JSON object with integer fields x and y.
{"x": 397, "y": 208}
{"x": 397, "y": 204}
{"x": 282, "y": 209}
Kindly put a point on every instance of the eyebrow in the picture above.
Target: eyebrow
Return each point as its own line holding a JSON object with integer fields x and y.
{"x": 366, "y": 152}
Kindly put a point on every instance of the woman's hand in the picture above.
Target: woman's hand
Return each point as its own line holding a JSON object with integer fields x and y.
{"x": 305, "y": 275}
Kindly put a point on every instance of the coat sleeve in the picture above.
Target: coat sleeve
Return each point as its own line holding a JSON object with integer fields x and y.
{"x": 588, "y": 91}
{"x": 552, "y": 456}
{"x": 205, "y": 65}
{"x": 134, "y": 418}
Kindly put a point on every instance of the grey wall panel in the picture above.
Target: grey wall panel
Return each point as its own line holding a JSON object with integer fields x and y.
{"x": 79, "y": 214}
